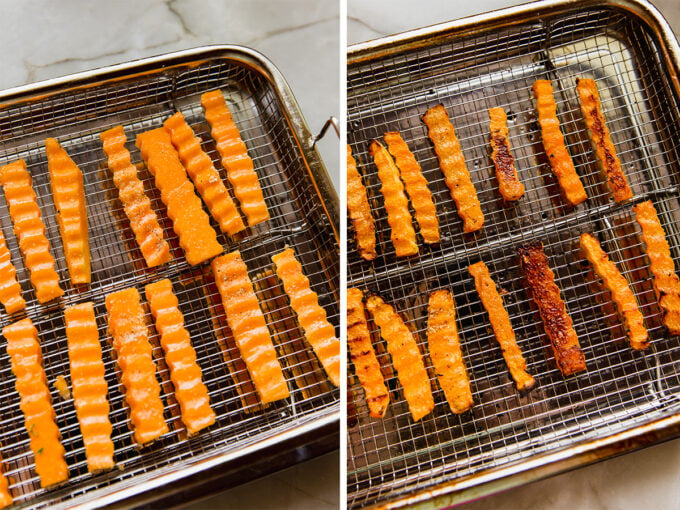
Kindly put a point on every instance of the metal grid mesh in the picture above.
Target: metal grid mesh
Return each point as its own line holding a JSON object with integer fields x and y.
{"x": 76, "y": 119}
{"x": 391, "y": 457}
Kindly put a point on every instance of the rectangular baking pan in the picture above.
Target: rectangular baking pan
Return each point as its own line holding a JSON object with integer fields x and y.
{"x": 625, "y": 399}
{"x": 245, "y": 439}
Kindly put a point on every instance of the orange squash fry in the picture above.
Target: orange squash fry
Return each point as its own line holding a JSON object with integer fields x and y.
{"x": 248, "y": 327}
{"x": 553, "y": 143}
{"x": 362, "y": 354}
{"x": 446, "y": 353}
{"x": 192, "y": 225}
{"x": 89, "y": 385}
{"x": 5, "y": 494}
{"x": 68, "y": 192}
{"x": 396, "y": 204}
{"x": 312, "y": 318}
{"x": 191, "y": 393}
{"x": 30, "y": 230}
{"x": 416, "y": 187}
{"x": 506, "y": 173}
{"x": 138, "y": 370}
{"x": 452, "y": 162}
{"x": 359, "y": 210}
{"x": 25, "y": 353}
{"x": 502, "y": 328}
{"x": 200, "y": 168}
{"x": 666, "y": 283}
{"x": 143, "y": 220}
{"x": 235, "y": 159}
{"x": 614, "y": 281}
{"x": 556, "y": 320}
{"x": 601, "y": 139}
{"x": 406, "y": 357}
{"x": 10, "y": 290}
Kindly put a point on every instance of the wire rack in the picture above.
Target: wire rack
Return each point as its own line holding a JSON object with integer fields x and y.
{"x": 394, "y": 457}
{"x": 140, "y": 103}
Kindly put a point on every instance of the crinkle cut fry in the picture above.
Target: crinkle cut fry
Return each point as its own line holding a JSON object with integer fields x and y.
{"x": 10, "y": 290}
{"x": 360, "y": 210}
{"x": 509, "y": 186}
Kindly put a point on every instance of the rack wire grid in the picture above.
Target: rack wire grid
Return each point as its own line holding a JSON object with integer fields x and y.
{"x": 76, "y": 119}
{"x": 393, "y": 457}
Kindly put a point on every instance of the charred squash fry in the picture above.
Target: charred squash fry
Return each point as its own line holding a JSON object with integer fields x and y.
{"x": 416, "y": 187}
{"x": 137, "y": 206}
{"x": 192, "y": 225}
{"x": 89, "y": 386}
{"x": 666, "y": 284}
{"x": 248, "y": 327}
{"x": 501, "y": 325}
{"x": 68, "y": 192}
{"x": 235, "y": 159}
{"x": 614, "y": 281}
{"x": 360, "y": 210}
{"x": 452, "y": 162}
{"x": 406, "y": 357}
{"x": 312, "y": 318}
{"x": 24, "y": 351}
{"x": 30, "y": 230}
{"x": 10, "y": 290}
{"x": 445, "y": 351}
{"x": 203, "y": 174}
{"x": 506, "y": 173}
{"x": 138, "y": 370}
{"x": 191, "y": 393}
{"x": 396, "y": 204}
{"x": 601, "y": 139}
{"x": 556, "y": 320}
{"x": 553, "y": 143}
{"x": 362, "y": 354}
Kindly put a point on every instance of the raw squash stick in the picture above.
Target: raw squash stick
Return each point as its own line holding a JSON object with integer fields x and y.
{"x": 143, "y": 220}
{"x": 192, "y": 225}
{"x": 601, "y": 139}
{"x": 506, "y": 173}
{"x": 553, "y": 143}
{"x": 362, "y": 354}
{"x": 248, "y": 326}
{"x": 359, "y": 210}
{"x": 190, "y": 392}
{"x": 89, "y": 385}
{"x": 446, "y": 353}
{"x": 416, "y": 187}
{"x": 312, "y": 318}
{"x": 556, "y": 320}
{"x": 30, "y": 230}
{"x": 406, "y": 357}
{"x": 68, "y": 192}
{"x": 200, "y": 168}
{"x": 396, "y": 204}
{"x": 666, "y": 283}
{"x": 502, "y": 328}
{"x": 452, "y": 162}
{"x": 10, "y": 290}
{"x": 138, "y": 370}
{"x": 25, "y": 354}
{"x": 235, "y": 159}
{"x": 614, "y": 281}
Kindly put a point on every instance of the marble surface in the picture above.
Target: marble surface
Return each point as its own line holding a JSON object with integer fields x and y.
{"x": 646, "y": 479}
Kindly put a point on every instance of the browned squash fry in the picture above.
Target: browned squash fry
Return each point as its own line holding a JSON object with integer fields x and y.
{"x": 360, "y": 210}
{"x": 506, "y": 173}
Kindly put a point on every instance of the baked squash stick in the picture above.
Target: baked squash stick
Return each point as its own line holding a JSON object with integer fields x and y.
{"x": 359, "y": 210}
{"x": 25, "y": 354}
{"x": 10, "y": 290}
{"x": 506, "y": 173}
{"x": 406, "y": 357}
{"x": 502, "y": 328}
{"x": 5, "y": 494}
{"x": 614, "y": 281}
{"x": 362, "y": 354}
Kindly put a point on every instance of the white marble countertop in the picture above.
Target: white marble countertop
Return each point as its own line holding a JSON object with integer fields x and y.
{"x": 646, "y": 479}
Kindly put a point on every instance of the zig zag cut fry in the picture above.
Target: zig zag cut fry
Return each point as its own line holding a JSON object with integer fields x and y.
{"x": 506, "y": 173}
{"x": 10, "y": 290}
{"x": 360, "y": 210}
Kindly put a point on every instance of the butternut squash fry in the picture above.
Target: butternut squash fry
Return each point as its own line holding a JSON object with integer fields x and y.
{"x": 360, "y": 210}
{"x": 10, "y": 290}
{"x": 506, "y": 173}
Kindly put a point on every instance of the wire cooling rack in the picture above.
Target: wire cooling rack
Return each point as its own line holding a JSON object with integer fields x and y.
{"x": 391, "y": 458}
{"x": 140, "y": 102}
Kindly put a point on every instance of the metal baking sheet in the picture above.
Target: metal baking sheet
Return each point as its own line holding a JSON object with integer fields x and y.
{"x": 470, "y": 66}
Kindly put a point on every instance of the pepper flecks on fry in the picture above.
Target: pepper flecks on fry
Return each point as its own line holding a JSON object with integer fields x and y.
{"x": 508, "y": 182}
{"x": 360, "y": 210}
